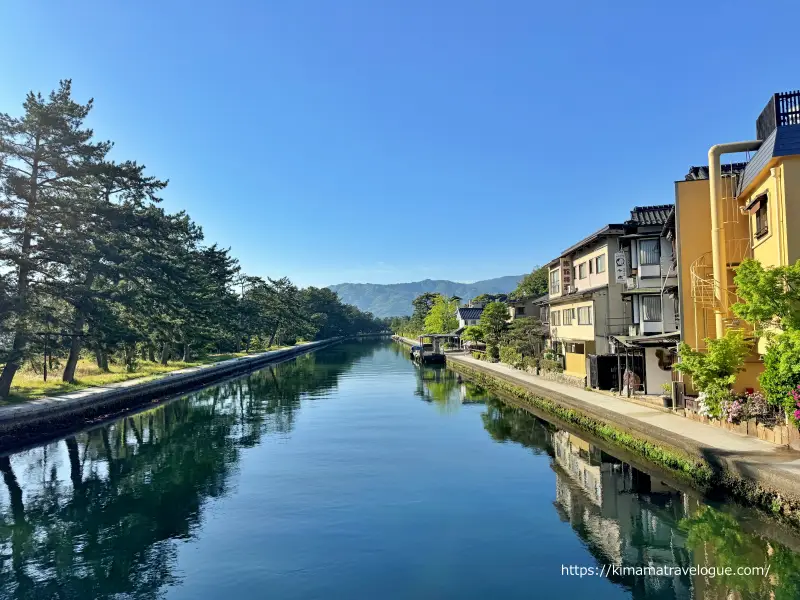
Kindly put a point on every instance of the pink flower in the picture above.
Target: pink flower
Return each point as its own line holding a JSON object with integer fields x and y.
{"x": 797, "y": 415}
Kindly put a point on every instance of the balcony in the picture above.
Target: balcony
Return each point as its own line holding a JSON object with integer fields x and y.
{"x": 782, "y": 109}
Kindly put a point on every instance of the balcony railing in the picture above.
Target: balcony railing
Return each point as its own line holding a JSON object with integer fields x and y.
{"x": 782, "y": 109}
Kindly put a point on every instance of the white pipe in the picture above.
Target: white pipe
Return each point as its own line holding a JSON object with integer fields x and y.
{"x": 776, "y": 174}
{"x": 717, "y": 228}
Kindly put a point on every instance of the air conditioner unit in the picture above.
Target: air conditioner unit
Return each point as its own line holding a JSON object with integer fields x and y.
{"x": 630, "y": 283}
{"x": 633, "y": 330}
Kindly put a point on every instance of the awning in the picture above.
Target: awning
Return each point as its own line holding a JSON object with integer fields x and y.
{"x": 640, "y": 341}
{"x": 756, "y": 203}
{"x": 648, "y": 291}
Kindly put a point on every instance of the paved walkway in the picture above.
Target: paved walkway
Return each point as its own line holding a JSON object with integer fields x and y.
{"x": 774, "y": 467}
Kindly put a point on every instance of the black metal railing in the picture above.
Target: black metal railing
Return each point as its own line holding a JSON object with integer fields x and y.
{"x": 782, "y": 109}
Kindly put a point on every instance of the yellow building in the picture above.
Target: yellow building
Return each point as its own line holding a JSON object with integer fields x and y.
{"x": 726, "y": 213}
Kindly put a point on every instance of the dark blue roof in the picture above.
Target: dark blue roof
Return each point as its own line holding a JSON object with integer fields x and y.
{"x": 470, "y": 313}
{"x": 783, "y": 141}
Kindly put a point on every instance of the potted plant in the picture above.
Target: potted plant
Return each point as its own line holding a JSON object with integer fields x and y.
{"x": 666, "y": 398}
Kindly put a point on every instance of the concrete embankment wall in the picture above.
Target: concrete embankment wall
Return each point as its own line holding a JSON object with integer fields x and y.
{"x": 38, "y": 419}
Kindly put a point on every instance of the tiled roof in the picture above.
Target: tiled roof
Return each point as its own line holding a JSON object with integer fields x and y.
{"x": 783, "y": 141}
{"x": 650, "y": 215}
{"x": 470, "y": 313}
{"x": 697, "y": 173}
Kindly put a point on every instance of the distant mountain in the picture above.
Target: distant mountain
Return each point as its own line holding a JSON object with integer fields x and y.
{"x": 394, "y": 299}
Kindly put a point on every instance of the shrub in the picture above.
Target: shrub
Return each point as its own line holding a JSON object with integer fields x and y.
{"x": 714, "y": 371}
{"x": 782, "y": 370}
{"x": 547, "y": 364}
{"x": 733, "y": 411}
{"x": 757, "y": 407}
{"x": 511, "y": 356}
{"x": 492, "y": 353}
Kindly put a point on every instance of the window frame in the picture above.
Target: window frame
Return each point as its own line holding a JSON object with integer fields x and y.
{"x": 597, "y": 266}
{"x": 587, "y": 320}
{"x": 555, "y": 318}
{"x": 582, "y": 270}
{"x": 646, "y": 317}
{"x": 648, "y": 263}
{"x": 566, "y": 317}
{"x": 555, "y": 281}
{"x": 761, "y": 213}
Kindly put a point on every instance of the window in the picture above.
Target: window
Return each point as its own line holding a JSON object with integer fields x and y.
{"x": 582, "y": 271}
{"x": 555, "y": 318}
{"x": 762, "y": 226}
{"x": 651, "y": 308}
{"x": 649, "y": 252}
{"x": 567, "y": 316}
{"x": 573, "y": 348}
{"x": 519, "y": 311}
{"x": 591, "y": 266}
{"x": 585, "y": 315}
{"x": 601, "y": 264}
{"x": 555, "y": 282}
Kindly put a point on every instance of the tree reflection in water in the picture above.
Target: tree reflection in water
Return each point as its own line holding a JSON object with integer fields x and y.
{"x": 626, "y": 517}
{"x": 96, "y": 515}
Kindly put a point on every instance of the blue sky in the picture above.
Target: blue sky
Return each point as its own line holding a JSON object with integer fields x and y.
{"x": 328, "y": 140}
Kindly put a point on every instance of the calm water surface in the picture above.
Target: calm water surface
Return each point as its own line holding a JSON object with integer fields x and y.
{"x": 351, "y": 473}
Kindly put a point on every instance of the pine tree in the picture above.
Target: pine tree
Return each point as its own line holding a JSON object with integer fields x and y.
{"x": 44, "y": 156}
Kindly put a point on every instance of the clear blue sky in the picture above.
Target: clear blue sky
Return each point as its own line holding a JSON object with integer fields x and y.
{"x": 318, "y": 139}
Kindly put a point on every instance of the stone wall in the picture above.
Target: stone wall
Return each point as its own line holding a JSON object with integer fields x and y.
{"x": 572, "y": 380}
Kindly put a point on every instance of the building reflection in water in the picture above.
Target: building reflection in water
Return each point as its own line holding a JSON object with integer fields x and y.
{"x": 627, "y": 517}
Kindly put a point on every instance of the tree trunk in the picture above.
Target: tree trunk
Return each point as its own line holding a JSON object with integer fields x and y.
{"x": 186, "y": 352}
{"x": 151, "y": 353}
{"x": 77, "y": 329}
{"x": 75, "y": 471}
{"x": 14, "y": 491}
{"x": 272, "y": 336}
{"x": 74, "y": 350}
{"x": 21, "y": 333}
{"x": 101, "y": 357}
{"x": 165, "y": 352}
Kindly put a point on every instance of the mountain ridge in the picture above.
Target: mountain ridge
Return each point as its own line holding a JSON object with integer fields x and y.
{"x": 394, "y": 299}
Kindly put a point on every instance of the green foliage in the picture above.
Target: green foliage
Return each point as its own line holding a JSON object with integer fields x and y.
{"x": 533, "y": 285}
{"x": 472, "y": 333}
{"x": 782, "y": 369}
{"x": 511, "y": 356}
{"x": 492, "y": 353}
{"x": 719, "y": 364}
{"x": 768, "y": 294}
{"x": 441, "y": 317}
{"x": 486, "y": 298}
{"x": 526, "y": 334}
{"x": 493, "y": 322}
{"x": 714, "y": 370}
{"x": 549, "y": 364}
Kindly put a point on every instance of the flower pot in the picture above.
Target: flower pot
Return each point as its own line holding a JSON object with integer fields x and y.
{"x": 666, "y": 401}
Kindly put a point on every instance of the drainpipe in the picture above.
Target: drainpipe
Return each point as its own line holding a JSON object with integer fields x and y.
{"x": 776, "y": 175}
{"x": 719, "y": 261}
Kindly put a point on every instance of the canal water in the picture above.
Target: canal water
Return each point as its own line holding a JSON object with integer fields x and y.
{"x": 353, "y": 473}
